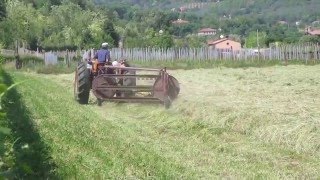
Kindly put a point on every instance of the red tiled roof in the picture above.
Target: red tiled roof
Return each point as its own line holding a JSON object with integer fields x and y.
{"x": 212, "y": 42}
{"x": 180, "y": 21}
{"x": 207, "y": 30}
{"x": 282, "y": 22}
{"x": 314, "y": 32}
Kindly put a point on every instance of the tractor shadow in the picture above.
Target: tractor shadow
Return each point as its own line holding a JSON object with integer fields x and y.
{"x": 30, "y": 154}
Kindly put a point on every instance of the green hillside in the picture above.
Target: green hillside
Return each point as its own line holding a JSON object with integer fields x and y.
{"x": 150, "y": 3}
{"x": 75, "y": 24}
{"x": 306, "y": 10}
{"x": 288, "y": 10}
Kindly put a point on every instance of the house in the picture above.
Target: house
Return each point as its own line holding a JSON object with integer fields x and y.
{"x": 283, "y": 22}
{"x": 312, "y": 31}
{"x": 224, "y": 44}
{"x": 207, "y": 32}
{"x": 183, "y": 9}
{"x": 180, "y": 21}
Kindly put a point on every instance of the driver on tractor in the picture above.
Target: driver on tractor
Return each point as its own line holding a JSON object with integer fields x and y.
{"x": 101, "y": 58}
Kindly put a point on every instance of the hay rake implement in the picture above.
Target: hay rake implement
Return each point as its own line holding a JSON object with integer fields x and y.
{"x": 125, "y": 84}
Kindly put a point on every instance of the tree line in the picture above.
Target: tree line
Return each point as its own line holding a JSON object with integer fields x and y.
{"x": 79, "y": 24}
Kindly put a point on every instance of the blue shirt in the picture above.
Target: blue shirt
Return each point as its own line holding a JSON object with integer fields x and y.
{"x": 103, "y": 55}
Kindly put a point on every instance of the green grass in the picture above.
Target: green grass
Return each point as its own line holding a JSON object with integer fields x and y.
{"x": 60, "y": 68}
{"x": 24, "y": 59}
{"x": 227, "y": 123}
{"x": 23, "y": 155}
{"x": 40, "y": 68}
{"x": 6, "y": 140}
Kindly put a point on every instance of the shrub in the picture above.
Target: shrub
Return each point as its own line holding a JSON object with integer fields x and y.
{"x": 33, "y": 59}
{"x": 59, "y": 68}
{"x": 1, "y": 59}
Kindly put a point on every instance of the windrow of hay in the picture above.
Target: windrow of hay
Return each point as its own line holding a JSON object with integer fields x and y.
{"x": 276, "y": 104}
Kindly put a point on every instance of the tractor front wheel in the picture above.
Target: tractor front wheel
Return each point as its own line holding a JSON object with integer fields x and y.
{"x": 82, "y": 84}
{"x": 167, "y": 102}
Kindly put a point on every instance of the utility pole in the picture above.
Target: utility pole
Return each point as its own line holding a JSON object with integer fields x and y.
{"x": 258, "y": 44}
{"x": 16, "y": 54}
{"x": 258, "y": 38}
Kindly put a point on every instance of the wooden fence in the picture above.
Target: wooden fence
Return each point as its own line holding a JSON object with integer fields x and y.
{"x": 50, "y": 57}
{"x": 306, "y": 52}
{"x": 283, "y": 53}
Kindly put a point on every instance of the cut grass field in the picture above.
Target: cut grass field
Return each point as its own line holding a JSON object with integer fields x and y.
{"x": 226, "y": 123}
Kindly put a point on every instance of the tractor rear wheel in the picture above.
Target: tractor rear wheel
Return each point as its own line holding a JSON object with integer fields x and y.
{"x": 82, "y": 84}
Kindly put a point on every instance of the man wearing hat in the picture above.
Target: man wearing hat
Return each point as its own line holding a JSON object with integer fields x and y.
{"x": 103, "y": 54}
{"x": 101, "y": 58}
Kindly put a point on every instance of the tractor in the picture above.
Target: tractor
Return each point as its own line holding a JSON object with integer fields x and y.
{"x": 122, "y": 83}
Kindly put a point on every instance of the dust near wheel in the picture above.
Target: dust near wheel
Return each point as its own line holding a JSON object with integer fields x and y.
{"x": 82, "y": 83}
{"x": 174, "y": 88}
{"x": 167, "y": 102}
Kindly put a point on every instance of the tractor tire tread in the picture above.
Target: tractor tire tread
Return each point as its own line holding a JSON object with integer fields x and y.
{"x": 83, "y": 83}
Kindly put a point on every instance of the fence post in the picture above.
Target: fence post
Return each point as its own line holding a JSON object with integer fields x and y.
{"x": 285, "y": 55}
{"x": 67, "y": 59}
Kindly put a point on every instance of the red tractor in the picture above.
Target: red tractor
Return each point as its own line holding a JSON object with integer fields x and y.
{"x": 123, "y": 83}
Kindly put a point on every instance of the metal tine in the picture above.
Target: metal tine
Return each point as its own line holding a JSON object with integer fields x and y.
{"x": 133, "y": 68}
{"x": 131, "y": 75}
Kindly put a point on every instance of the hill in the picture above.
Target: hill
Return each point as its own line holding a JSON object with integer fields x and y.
{"x": 148, "y": 3}
{"x": 137, "y": 22}
{"x": 286, "y": 10}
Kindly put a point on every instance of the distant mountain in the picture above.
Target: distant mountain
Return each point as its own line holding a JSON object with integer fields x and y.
{"x": 150, "y": 3}
{"x": 277, "y": 10}
{"x": 282, "y": 10}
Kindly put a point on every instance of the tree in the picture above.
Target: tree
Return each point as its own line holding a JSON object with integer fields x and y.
{"x": 2, "y": 9}
{"x": 281, "y": 33}
{"x": 309, "y": 39}
{"x": 111, "y": 32}
{"x": 24, "y": 26}
{"x": 254, "y": 38}
{"x": 161, "y": 40}
{"x": 70, "y": 25}
{"x": 195, "y": 41}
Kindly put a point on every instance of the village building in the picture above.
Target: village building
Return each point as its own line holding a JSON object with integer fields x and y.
{"x": 183, "y": 9}
{"x": 207, "y": 32}
{"x": 180, "y": 21}
{"x": 283, "y": 22}
{"x": 225, "y": 44}
{"x": 312, "y": 31}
